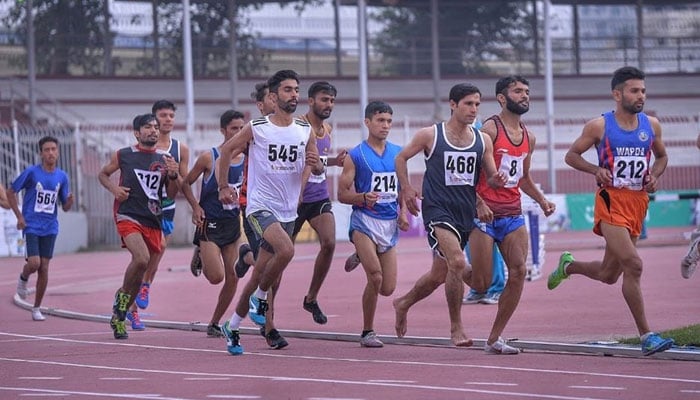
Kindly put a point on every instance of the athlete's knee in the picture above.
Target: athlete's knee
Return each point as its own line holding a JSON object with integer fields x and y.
{"x": 375, "y": 279}
{"x": 327, "y": 245}
{"x": 517, "y": 273}
{"x": 632, "y": 266}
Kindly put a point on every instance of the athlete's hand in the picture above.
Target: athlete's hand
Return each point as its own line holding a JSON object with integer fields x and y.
{"x": 408, "y": 195}
{"x": 121, "y": 193}
{"x": 313, "y": 160}
{"x": 171, "y": 166}
{"x": 340, "y": 158}
{"x": 403, "y": 221}
{"x": 548, "y": 207}
{"x": 21, "y": 223}
{"x": 603, "y": 177}
{"x": 198, "y": 216}
{"x": 651, "y": 184}
{"x": 370, "y": 199}
{"x": 227, "y": 195}
{"x": 483, "y": 212}
{"x": 498, "y": 180}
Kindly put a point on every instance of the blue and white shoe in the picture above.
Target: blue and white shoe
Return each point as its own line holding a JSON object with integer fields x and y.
{"x": 655, "y": 344}
{"x": 135, "y": 319}
{"x": 233, "y": 340}
{"x": 257, "y": 310}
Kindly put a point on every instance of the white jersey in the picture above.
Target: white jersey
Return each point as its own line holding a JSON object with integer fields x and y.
{"x": 277, "y": 158}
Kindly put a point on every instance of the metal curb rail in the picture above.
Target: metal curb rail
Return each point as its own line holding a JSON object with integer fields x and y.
{"x": 680, "y": 354}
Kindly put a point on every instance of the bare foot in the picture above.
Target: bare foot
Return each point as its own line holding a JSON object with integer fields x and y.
{"x": 459, "y": 339}
{"x": 401, "y": 323}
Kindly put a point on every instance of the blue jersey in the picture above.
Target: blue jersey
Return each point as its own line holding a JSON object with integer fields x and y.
{"x": 43, "y": 191}
{"x": 377, "y": 173}
{"x": 209, "y": 195}
{"x": 626, "y": 154}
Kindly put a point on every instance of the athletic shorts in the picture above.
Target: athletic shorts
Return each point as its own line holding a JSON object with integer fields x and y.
{"x": 152, "y": 236}
{"x": 221, "y": 232}
{"x": 168, "y": 226}
{"x": 250, "y": 234}
{"x": 501, "y": 226}
{"x": 41, "y": 246}
{"x": 460, "y": 222}
{"x": 261, "y": 220}
{"x": 309, "y": 211}
{"x": 383, "y": 232}
{"x": 620, "y": 207}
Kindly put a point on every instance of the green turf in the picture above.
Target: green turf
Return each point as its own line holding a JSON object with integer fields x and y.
{"x": 684, "y": 336}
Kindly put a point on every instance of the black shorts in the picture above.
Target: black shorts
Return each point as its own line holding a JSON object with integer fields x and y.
{"x": 221, "y": 232}
{"x": 309, "y": 211}
{"x": 460, "y": 223}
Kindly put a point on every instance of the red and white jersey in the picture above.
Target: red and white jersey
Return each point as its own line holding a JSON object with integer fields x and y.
{"x": 510, "y": 159}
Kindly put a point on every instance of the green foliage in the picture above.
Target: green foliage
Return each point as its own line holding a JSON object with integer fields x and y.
{"x": 470, "y": 36}
{"x": 684, "y": 336}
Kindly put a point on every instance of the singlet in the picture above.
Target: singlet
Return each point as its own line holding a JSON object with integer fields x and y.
{"x": 626, "y": 154}
{"x": 43, "y": 191}
{"x": 377, "y": 173}
{"x": 169, "y": 204}
{"x": 209, "y": 195}
{"x": 141, "y": 171}
{"x": 316, "y": 187}
{"x": 451, "y": 175}
{"x": 510, "y": 158}
{"x": 277, "y": 157}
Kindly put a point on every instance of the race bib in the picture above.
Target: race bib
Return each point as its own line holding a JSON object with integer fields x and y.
{"x": 150, "y": 182}
{"x": 460, "y": 168}
{"x": 320, "y": 178}
{"x": 283, "y": 158}
{"x": 45, "y": 201}
{"x": 512, "y": 167}
{"x": 629, "y": 171}
{"x": 386, "y": 185}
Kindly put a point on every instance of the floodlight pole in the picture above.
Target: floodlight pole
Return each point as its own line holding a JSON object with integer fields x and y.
{"x": 549, "y": 97}
{"x": 189, "y": 85}
{"x": 362, "y": 39}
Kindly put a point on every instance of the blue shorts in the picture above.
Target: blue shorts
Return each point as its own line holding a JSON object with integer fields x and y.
{"x": 383, "y": 232}
{"x": 261, "y": 220}
{"x": 168, "y": 226}
{"x": 41, "y": 246}
{"x": 501, "y": 226}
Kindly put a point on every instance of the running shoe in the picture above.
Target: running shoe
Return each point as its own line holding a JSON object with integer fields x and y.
{"x": 688, "y": 265}
{"x": 120, "y": 305}
{"x": 257, "y": 310}
{"x": 653, "y": 343}
{"x": 315, "y": 310}
{"x": 22, "y": 290}
{"x": 196, "y": 263}
{"x": 371, "y": 340}
{"x": 473, "y": 297}
{"x": 534, "y": 273}
{"x": 559, "y": 274}
{"x": 135, "y": 319}
{"x": 118, "y": 328}
{"x": 214, "y": 330}
{"x": 37, "y": 315}
{"x": 275, "y": 340}
{"x": 352, "y": 262}
{"x": 262, "y": 332}
{"x": 143, "y": 296}
{"x": 500, "y": 347}
{"x": 490, "y": 298}
{"x": 233, "y": 340}
{"x": 241, "y": 267}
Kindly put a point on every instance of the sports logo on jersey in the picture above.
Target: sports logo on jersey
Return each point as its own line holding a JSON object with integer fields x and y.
{"x": 502, "y": 151}
{"x": 643, "y": 136}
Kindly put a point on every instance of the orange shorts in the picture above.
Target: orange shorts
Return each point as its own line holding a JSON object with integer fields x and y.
{"x": 620, "y": 207}
{"x": 152, "y": 236}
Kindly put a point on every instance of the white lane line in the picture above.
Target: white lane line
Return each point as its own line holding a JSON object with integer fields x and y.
{"x": 231, "y": 396}
{"x": 491, "y": 383}
{"x": 598, "y": 387}
{"x": 498, "y": 393}
{"x": 357, "y": 360}
{"x": 42, "y": 395}
{"x": 118, "y": 378}
{"x": 389, "y": 381}
{"x": 46, "y": 392}
{"x": 689, "y": 391}
{"x": 203, "y": 378}
{"x": 41, "y": 378}
{"x": 335, "y": 398}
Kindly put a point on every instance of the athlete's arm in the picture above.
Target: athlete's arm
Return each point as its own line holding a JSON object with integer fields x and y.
{"x": 201, "y": 167}
{"x": 421, "y": 141}
{"x": 591, "y": 136}
{"x": 120, "y": 193}
{"x": 313, "y": 160}
{"x": 496, "y": 179}
{"x": 3, "y": 197}
{"x": 346, "y": 185}
{"x": 14, "y": 206}
{"x": 660, "y": 158}
{"x": 231, "y": 148}
{"x": 529, "y": 187}
{"x": 172, "y": 176}
{"x": 67, "y": 196}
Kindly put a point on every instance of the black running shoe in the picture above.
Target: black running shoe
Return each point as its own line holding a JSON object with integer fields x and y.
{"x": 118, "y": 328}
{"x": 315, "y": 310}
{"x": 262, "y": 332}
{"x": 275, "y": 340}
{"x": 196, "y": 263}
{"x": 214, "y": 330}
{"x": 241, "y": 266}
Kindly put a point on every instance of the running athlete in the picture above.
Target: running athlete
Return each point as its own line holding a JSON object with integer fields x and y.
{"x": 45, "y": 186}
{"x": 146, "y": 173}
{"x": 369, "y": 184}
{"x": 625, "y": 139}
{"x": 218, "y": 226}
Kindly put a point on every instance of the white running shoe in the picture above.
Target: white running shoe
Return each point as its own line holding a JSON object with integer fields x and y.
{"x": 37, "y": 315}
{"x": 690, "y": 261}
{"x": 371, "y": 340}
{"x": 500, "y": 347}
{"x": 22, "y": 290}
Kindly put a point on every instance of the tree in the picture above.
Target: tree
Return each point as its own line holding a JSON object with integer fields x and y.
{"x": 471, "y": 35}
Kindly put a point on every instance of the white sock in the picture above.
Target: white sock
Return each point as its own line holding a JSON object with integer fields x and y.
{"x": 235, "y": 322}
{"x": 261, "y": 294}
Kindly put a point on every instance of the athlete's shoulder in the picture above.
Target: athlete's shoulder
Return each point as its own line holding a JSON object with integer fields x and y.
{"x": 301, "y": 122}
{"x": 259, "y": 121}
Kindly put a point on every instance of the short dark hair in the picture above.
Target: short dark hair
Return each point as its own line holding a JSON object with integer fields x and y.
{"x": 504, "y": 83}
{"x": 143, "y": 119}
{"x": 461, "y": 90}
{"x": 377, "y": 107}
{"x": 622, "y": 75}
{"x": 47, "y": 139}
{"x": 260, "y": 91}
{"x": 322, "y": 87}
{"x": 228, "y": 116}
{"x": 163, "y": 104}
{"x": 275, "y": 80}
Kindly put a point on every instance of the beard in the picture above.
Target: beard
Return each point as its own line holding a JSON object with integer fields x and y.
{"x": 148, "y": 142}
{"x": 632, "y": 108}
{"x": 516, "y": 108}
{"x": 287, "y": 107}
